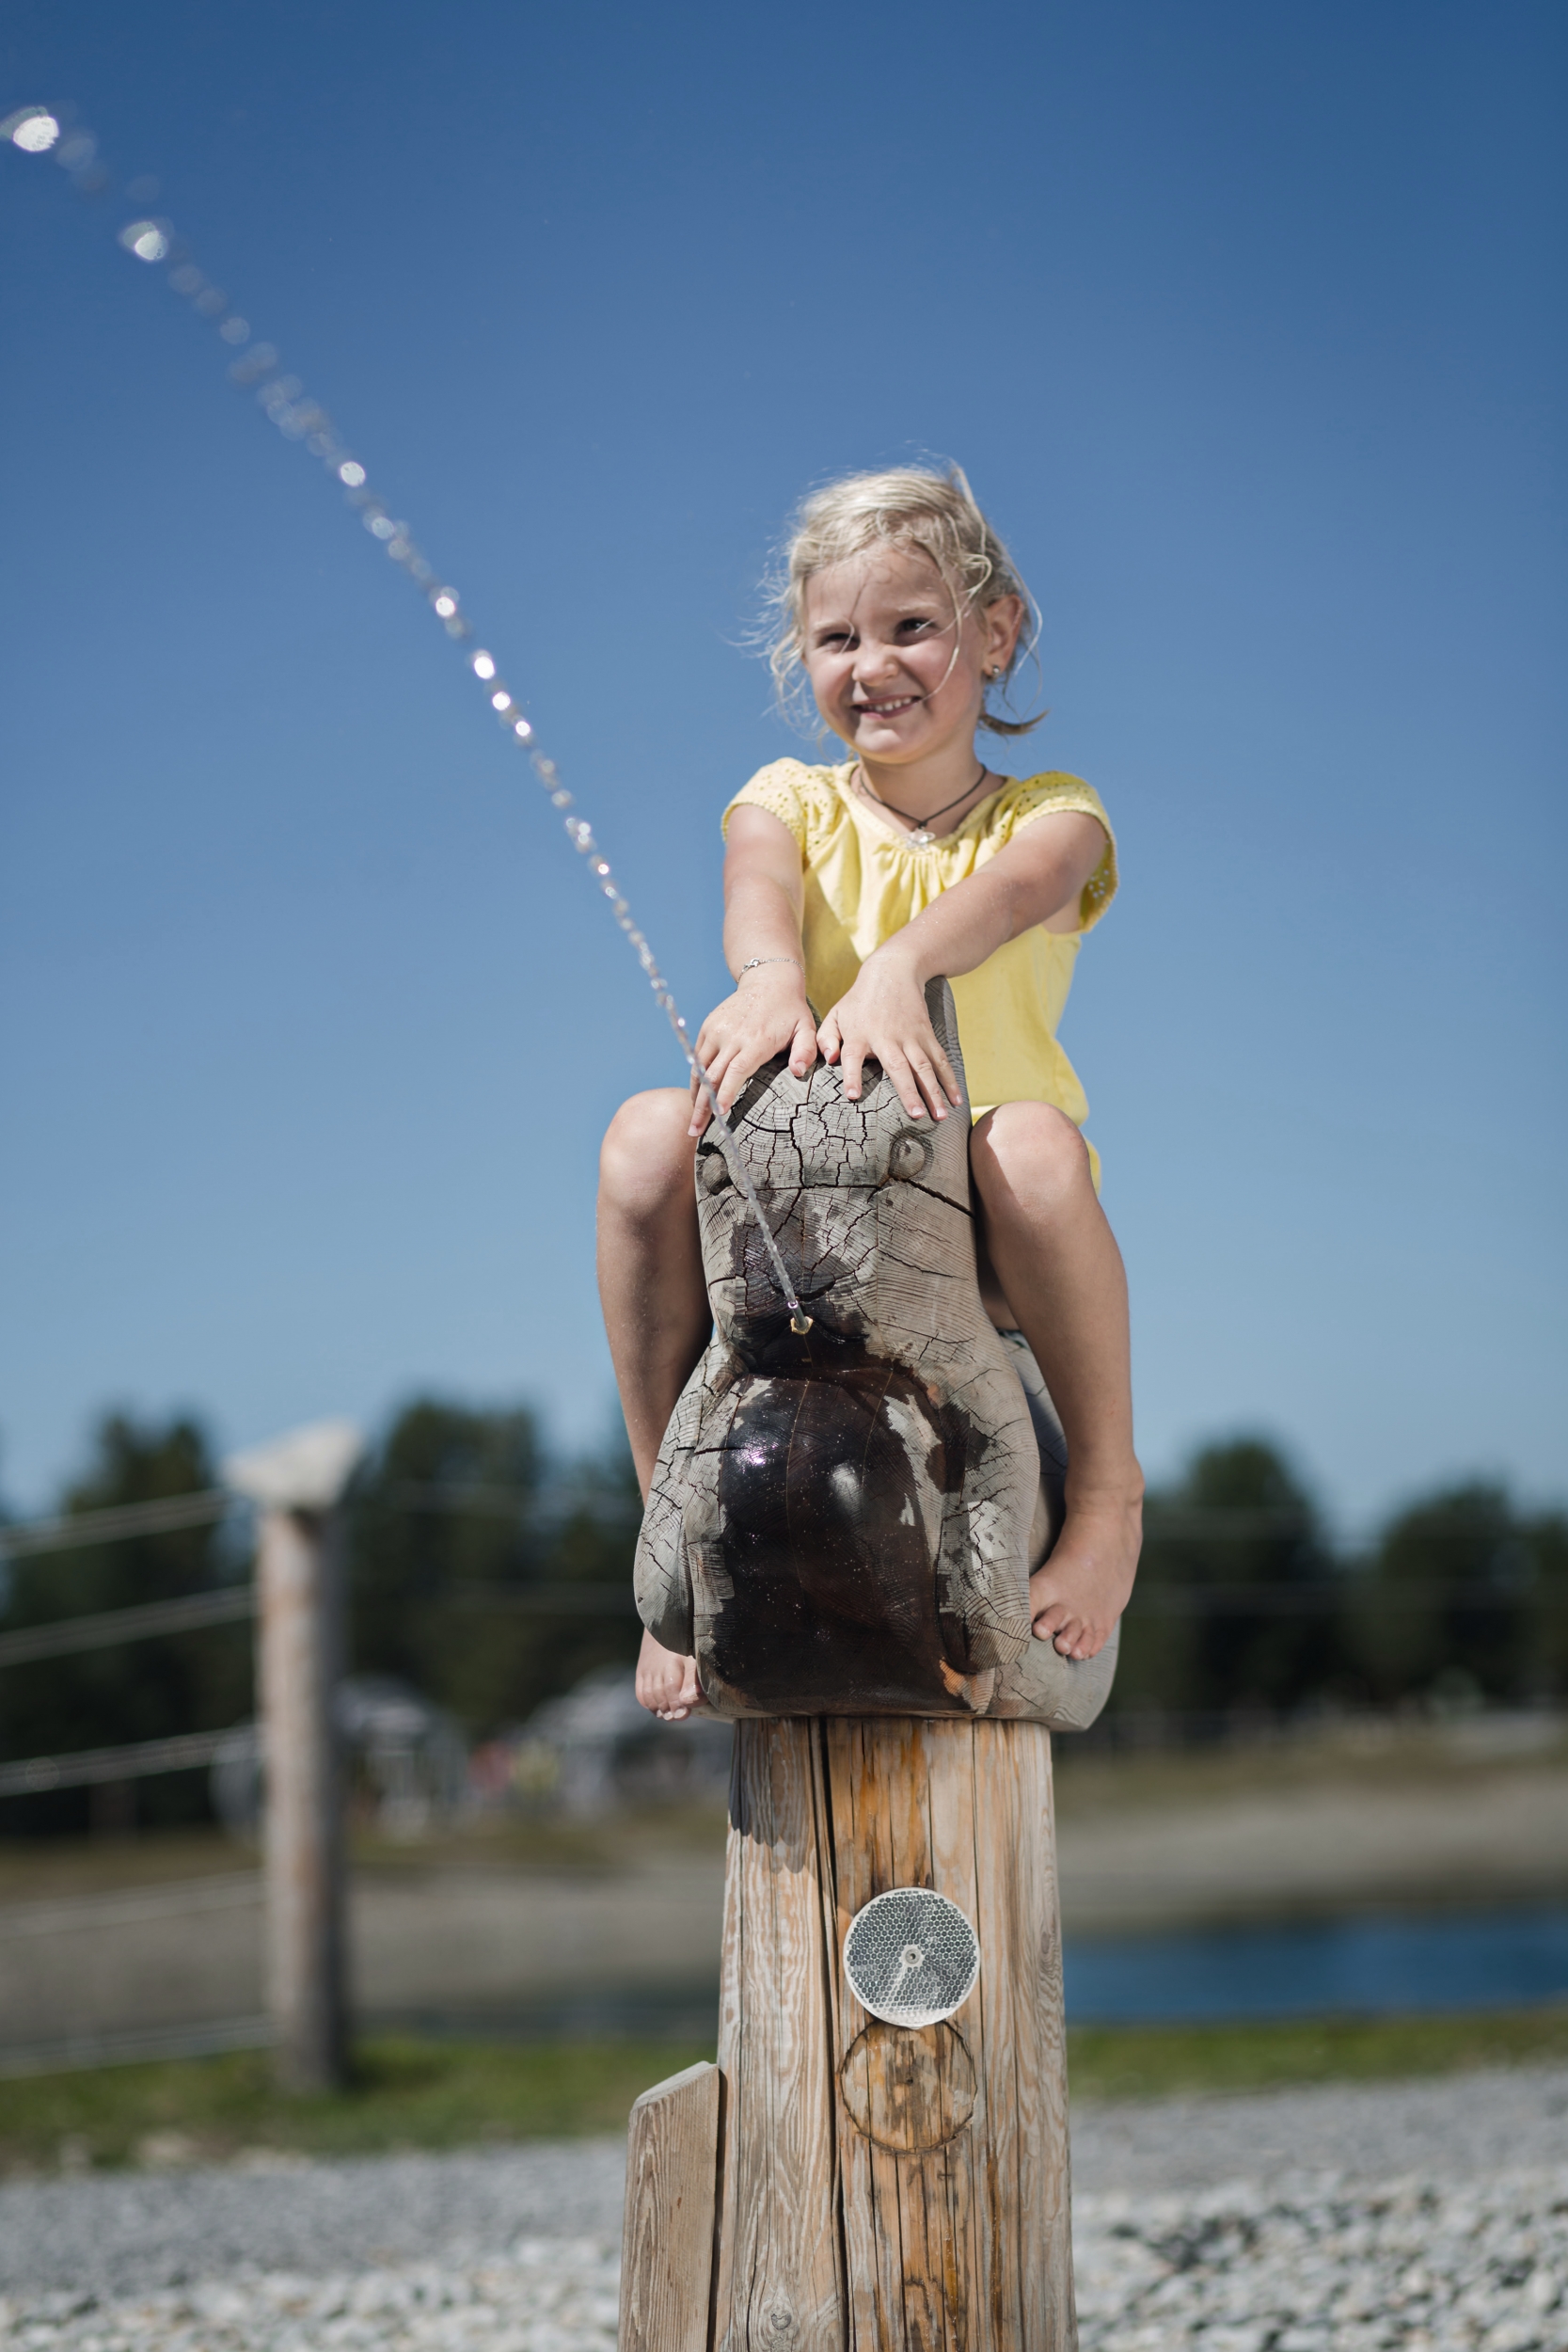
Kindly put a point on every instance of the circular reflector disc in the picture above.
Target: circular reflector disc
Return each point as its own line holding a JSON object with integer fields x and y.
{"x": 911, "y": 1957}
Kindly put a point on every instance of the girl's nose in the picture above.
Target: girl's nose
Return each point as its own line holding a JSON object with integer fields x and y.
{"x": 874, "y": 664}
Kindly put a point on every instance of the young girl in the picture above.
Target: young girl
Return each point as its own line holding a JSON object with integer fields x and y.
{"x": 845, "y": 889}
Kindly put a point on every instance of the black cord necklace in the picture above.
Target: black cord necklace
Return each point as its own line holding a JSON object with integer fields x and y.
{"x": 921, "y": 837}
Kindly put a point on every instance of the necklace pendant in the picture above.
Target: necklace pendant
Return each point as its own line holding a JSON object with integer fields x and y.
{"x": 920, "y": 838}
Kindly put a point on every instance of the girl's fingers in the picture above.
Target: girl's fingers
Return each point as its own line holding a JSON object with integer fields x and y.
{"x": 731, "y": 1076}
{"x": 829, "y": 1039}
{"x": 930, "y": 1085}
{"x": 702, "y": 1117}
{"x": 850, "y": 1060}
{"x": 905, "y": 1084}
{"x": 803, "y": 1051}
{"x": 950, "y": 1085}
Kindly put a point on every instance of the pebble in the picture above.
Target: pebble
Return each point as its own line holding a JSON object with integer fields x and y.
{"x": 1328, "y": 2265}
{"x": 1228, "y": 2224}
{"x": 542, "y": 2295}
{"x": 1332, "y": 2266}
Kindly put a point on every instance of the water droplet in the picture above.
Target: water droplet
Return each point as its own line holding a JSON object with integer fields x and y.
{"x": 32, "y": 129}
{"x": 458, "y": 626}
{"x": 600, "y": 866}
{"x": 352, "y": 474}
{"x": 186, "y": 280}
{"x": 483, "y": 666}
{"x": 381, "y": 526}
{"x": 236, "y": 330}
{"x": 445, "y": 603}
{"x": 521, "y": 730}
{"x": 77, "y": 151}
{"x": 146, "y": 240}
{"x": 561, "y": 800}
{"x": 254, "y": 365}
{"x": 501, "y": 700}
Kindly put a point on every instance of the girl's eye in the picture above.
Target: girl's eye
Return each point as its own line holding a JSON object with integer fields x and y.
{"x": 835, "y": 641}
{"x": 914, "y": 626}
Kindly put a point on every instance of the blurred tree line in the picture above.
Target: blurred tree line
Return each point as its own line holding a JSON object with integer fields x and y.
{"x": 489, "y": 1576}
{"x": 1243, "y": 1608}
{"x": 477, "y": 1570}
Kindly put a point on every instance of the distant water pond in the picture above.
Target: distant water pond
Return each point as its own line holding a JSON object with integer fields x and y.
{"x": 1370, "y": 1965}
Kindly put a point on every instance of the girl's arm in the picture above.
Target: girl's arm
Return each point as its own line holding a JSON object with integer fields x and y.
{"x": 1040, "y": 874}
{"x": 767, "y": 1015}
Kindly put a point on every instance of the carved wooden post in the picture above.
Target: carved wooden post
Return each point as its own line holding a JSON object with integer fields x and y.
{"x": 841, "y": 1529}
{"x": 887, "y": 2186}
{"x": 298, "y": 1481}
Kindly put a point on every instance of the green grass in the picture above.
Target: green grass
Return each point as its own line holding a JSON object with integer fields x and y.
{"x": 1159, "y": 2062}
{"x": 405, "y": 2094}
{"x": 412, "y": 2094}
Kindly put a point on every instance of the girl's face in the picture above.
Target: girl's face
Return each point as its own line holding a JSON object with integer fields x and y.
{"x": 896, "y": 672}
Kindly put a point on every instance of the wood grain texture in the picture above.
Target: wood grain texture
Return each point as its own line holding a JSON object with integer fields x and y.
{"x": 888, "y": 2189}
{"x": 667, "y": 2237}
{"x": 779, "y": 2285}
{"x": 962, "y": 2241}
{"x": 907, "y": 2090}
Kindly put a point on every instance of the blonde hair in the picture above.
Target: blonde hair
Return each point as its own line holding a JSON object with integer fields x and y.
{"x": 906, "y": 506}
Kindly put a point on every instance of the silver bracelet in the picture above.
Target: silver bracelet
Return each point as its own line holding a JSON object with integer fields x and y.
{"x": 756, "y": 960}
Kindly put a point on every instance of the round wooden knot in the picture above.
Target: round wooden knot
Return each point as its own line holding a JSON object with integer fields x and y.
{"x": 909, "y": 1157}
{"x": 712, "y": 1172}
{"x": 909, "y": 2088}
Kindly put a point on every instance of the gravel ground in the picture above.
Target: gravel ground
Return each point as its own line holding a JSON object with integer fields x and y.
{"x": 1201, "y": 2226}
{"x": 1459, "y": 2128}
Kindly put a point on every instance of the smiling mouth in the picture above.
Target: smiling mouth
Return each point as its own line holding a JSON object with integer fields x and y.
{"x": 886, "y": 710}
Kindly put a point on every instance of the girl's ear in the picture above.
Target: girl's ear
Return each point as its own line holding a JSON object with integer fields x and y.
{"x": 1003, "y": 621}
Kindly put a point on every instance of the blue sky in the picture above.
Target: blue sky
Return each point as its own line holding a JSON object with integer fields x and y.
{"x": 1247, "y": 324}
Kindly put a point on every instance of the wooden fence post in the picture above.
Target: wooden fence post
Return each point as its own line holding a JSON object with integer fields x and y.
{"x": 298, "y": 1481}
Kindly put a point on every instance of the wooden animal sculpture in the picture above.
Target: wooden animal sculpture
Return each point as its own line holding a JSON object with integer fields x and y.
{"x": 845, "y": 1523}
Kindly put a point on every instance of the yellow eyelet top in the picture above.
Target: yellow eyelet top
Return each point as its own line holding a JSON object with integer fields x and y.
{"x": 864, "y": 880}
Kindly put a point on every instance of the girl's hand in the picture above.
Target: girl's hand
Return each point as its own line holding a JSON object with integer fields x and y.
{"x": 767, "y": 1015}
{"x": 883, "y": 1018}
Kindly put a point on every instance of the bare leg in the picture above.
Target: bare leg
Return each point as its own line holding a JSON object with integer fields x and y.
{"x": 655, "y": 1309}
{"x": 1056, "y": 1273}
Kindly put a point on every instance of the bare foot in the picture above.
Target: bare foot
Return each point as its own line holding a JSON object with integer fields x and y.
{"x": 1077, "y": 1596}
{"x": 667, "y": 1684}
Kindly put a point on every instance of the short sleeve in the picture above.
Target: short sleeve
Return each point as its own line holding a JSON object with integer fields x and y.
{"x": 783, "y": 789}
{"x": 1042, "y": 796}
